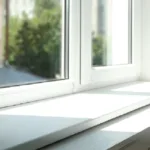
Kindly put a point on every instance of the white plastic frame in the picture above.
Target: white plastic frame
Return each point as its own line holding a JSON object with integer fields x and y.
{"x": 34, "y": 92}
{"x": 81, "y": 74}
{"x": 110, "y": 74}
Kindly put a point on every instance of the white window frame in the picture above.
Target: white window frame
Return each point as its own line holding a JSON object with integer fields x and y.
{"x": 109, "y": 74}
{"x": 81, "y": 74}
{"x": 34, "y": 92}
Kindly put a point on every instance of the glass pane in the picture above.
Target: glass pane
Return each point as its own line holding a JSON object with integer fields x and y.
{"x": 110, "y": 32}
{"x": 32, "y": 41}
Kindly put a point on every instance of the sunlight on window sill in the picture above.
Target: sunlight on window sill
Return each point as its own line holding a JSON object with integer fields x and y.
{"x": 89, "y": 104}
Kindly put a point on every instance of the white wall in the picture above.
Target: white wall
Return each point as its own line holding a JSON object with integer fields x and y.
{"x": 145, "y": 74}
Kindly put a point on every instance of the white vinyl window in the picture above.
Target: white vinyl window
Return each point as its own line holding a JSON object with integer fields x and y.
{"x": 108, "y": 34}
{"x": 55, "y": 47}
{"x": 35, "y": 42}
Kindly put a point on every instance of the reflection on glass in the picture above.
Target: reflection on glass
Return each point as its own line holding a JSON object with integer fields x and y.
{"x": 31, "y": 41}
{"x": 110, "y": 32}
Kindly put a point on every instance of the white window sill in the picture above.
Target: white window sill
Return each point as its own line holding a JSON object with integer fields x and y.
{"x": 34, "y": 125}
{"x": 108, "y": 135}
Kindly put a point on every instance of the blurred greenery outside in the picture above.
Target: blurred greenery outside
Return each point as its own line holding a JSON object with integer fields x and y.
{"x": 35, "y": 42}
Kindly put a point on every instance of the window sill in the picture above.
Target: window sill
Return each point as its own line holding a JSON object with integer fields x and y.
{"x": 33, "y": 126}
{"x": 112, "y": 135}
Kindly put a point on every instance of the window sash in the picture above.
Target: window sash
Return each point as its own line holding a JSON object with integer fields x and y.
{"x": 110, "y": 74}
{"x": 82, "y": 76}
{"x": 34, "y": 92}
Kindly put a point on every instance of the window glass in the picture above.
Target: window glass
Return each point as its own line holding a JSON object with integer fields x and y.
{"x": 33, "y": 41}
{"x": 111, "y": 32}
